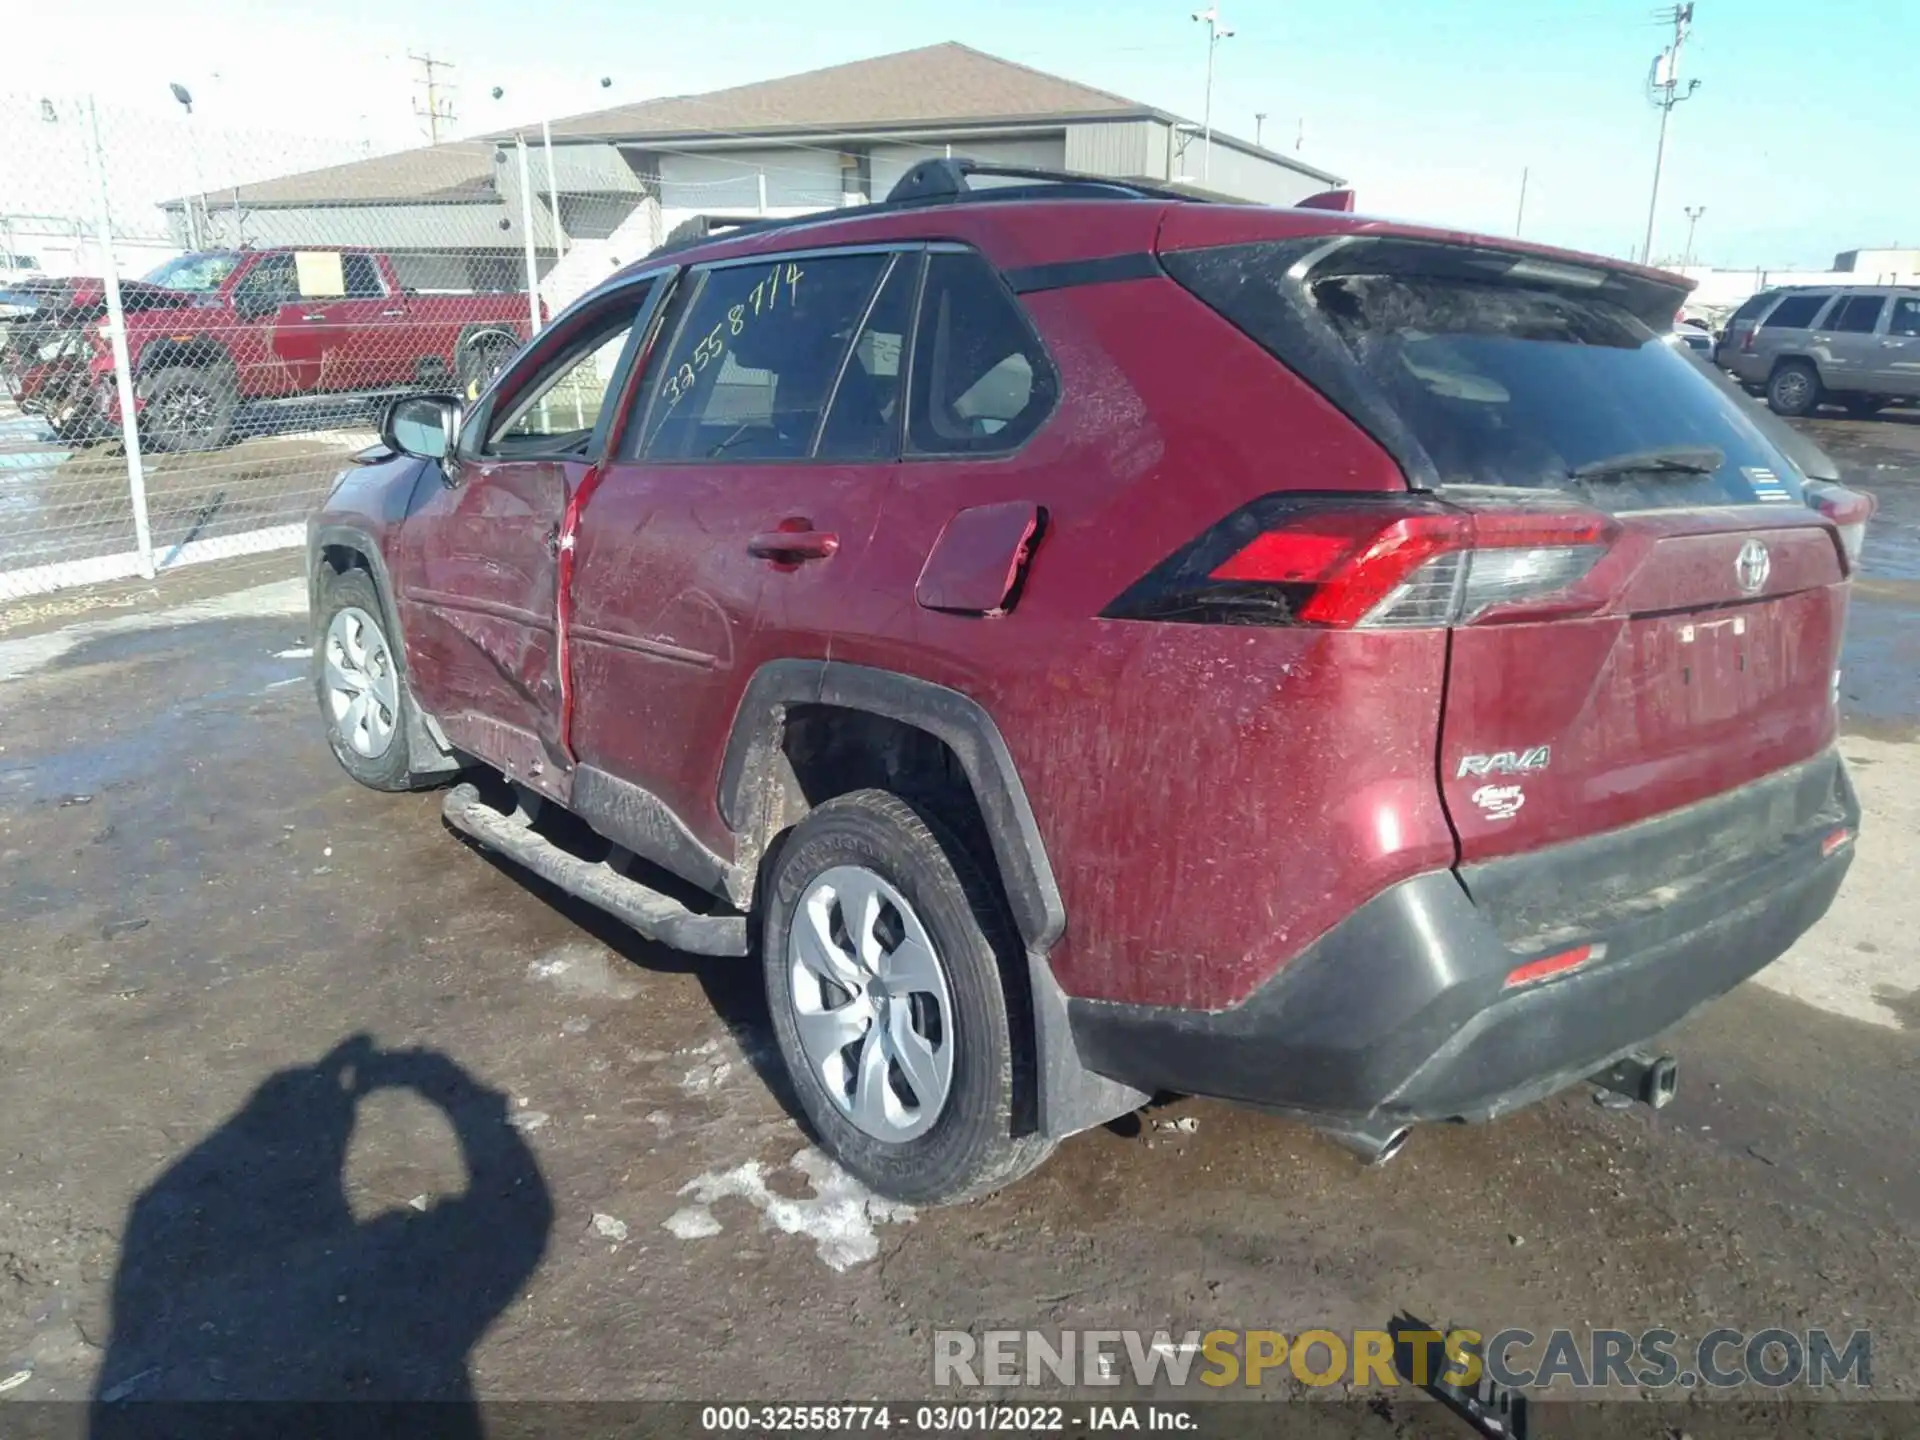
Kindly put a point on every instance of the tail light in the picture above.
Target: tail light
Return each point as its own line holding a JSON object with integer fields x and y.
{"x": 1746, "y": 339}
{"x": 1847, "y": 511}
{"x": 1356, "y": 563}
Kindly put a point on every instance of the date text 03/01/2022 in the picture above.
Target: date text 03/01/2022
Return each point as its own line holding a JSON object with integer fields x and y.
{"x": 940, "y": 1419}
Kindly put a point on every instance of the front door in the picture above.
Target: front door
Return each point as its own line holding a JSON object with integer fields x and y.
{"x": 480, "y": 573}
{"x": 738, "y": 515}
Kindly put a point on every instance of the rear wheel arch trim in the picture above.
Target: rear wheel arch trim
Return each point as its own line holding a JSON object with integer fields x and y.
{"x": 959, "y": 722}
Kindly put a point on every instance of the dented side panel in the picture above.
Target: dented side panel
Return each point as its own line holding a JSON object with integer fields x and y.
{"x": 477, "y": 589}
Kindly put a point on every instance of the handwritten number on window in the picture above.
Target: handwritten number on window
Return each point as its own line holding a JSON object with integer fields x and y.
{"x": 781, "y": 282}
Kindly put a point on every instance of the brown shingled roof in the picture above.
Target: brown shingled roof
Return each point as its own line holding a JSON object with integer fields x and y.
{"x": 461, "y": 170}
{"x": 934, "y": 84}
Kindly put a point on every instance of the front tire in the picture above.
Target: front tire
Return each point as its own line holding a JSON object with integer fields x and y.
{"x": 885, "y": 952}
{"x": 1794, "y": 389}
{"x": 190, "y": 408}
{"x": 356, "y": 674}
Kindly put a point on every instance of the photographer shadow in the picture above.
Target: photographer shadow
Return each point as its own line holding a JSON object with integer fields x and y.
{"x": 245, "y": 1276}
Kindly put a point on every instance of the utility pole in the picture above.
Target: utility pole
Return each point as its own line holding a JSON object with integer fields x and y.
{"x": 1665, "y": 90}
{"x": 1216, "y": 32}
{"x": 1693, "y": 213}
{"x": 439, "y": 107}
{"x": 1520, "y": 215}
{"x": 1259, "y": 124}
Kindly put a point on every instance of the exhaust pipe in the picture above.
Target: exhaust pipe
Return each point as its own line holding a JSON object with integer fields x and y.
{"x": 1375, "y": 1144}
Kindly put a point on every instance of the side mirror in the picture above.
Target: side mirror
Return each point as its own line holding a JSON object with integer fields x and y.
{"x": 423, "y": 426}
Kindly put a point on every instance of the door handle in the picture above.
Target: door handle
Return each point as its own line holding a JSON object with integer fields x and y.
{"x": 390, "y": 313}
{"x": 313, "y": 317}
{"x": 793, "y": 546}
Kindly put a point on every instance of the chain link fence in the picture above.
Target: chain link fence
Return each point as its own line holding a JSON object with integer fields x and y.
{"x": 200, "y": 327}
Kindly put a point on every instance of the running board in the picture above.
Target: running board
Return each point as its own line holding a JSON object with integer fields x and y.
{"x": 657, "y": 916}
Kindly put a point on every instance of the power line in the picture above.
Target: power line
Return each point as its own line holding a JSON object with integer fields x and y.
{"x": 1665, "y": 90}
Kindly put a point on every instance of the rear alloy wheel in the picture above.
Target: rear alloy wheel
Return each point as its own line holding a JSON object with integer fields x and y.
{"x": 1794, "y": 389}
{"x": 482, "y": 358}
{"x": 189, "y": 408}
{"x": 363, "y": 697}
{"x": 884, "y": 949}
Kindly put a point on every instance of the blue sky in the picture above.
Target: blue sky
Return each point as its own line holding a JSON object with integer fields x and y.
{"x": 1799, "y": 142}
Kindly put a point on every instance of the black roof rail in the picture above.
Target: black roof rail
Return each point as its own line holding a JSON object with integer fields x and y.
{"x": 948, "y": 178}
{"x": 940, "y": 181}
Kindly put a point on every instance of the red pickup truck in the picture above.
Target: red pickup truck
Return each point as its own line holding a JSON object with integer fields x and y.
{"x": 211, "y": 330}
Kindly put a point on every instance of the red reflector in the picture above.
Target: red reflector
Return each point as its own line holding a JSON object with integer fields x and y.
{"x": 1834, "y": 841}
{"x": 1552, "y": 965}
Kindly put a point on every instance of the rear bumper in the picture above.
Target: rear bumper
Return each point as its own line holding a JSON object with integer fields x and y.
{"x": 1401, "y": 1011}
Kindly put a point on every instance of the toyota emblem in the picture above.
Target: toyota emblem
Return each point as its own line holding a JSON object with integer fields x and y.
{"x": 1752, "y": 566}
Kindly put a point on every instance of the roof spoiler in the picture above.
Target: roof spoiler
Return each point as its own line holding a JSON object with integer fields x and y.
{"x": 1327, "y": 200}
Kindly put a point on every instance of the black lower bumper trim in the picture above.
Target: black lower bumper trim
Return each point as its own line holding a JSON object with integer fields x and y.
{"x": 1400, "y": 1012}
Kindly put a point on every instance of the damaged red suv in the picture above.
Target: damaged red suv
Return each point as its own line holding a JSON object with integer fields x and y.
{"x": 1088, "y": 642}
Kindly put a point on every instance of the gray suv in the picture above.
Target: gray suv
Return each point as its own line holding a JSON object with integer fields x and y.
{"x": 1851, "y": 345}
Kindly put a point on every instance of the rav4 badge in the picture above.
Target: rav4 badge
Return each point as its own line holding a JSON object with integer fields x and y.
{"x": 1506, "y": 762}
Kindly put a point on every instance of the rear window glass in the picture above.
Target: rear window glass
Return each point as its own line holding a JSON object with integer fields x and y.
{"x": 1515, "y": 385}
{"x": 1751, "y": 307}
{"x": 1796, "y": 312}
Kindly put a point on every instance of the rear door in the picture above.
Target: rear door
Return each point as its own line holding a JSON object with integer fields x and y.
{"x": 1901, "y": 343}
{"x": 736, "y": 515}
{"x": 1693, "y": 649}
{"x": 1853, "y": 360}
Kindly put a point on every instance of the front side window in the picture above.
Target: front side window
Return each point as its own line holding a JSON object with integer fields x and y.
{"x": 555, "y": 413}
{"x": 268, "y": 284}
{"x": 981, "y": 383}
{"x": 1857, "y": 314}
{"x": 755, "y": 358}
{"x": 1905, "y": 319}
{"x": 1796, "y": 312}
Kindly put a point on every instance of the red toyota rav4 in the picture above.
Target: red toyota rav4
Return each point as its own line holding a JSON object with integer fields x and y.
{"x": 1089, "y": 642}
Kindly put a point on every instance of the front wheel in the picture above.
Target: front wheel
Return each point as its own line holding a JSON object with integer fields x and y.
{"x": 1794, "y": 389}
{"x": 884, "y": 949}
{"x": 363, "y": 697}
{"x": 190, "y": 408}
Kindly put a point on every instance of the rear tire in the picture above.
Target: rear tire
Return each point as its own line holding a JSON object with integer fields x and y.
{"x": 189, "y": 408}
{"x": 921, "y": 987}
{"x": 480, "y": 359}
{"x": 363, "y": 696}
{"x": 1793, "y": 389}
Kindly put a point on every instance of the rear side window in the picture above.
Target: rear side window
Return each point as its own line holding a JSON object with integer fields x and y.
{"x": 981, "y": 381}
{"x": 864, "y": 418}
{"x": 1517, "y": 384}
{"x": 1796, "y": 312}
{"x": 362, "y": 277}
{"x": 755, "y": 358}
{"x": 1858, "y": 314}
{"x": 1751, "y": 307}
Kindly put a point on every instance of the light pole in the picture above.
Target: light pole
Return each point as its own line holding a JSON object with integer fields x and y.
{"x": 1693, "y": 214}
{"x": 1216, "y": 32}
{"x": 1259, "y": 124}
{"x": 185, "y": 97}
